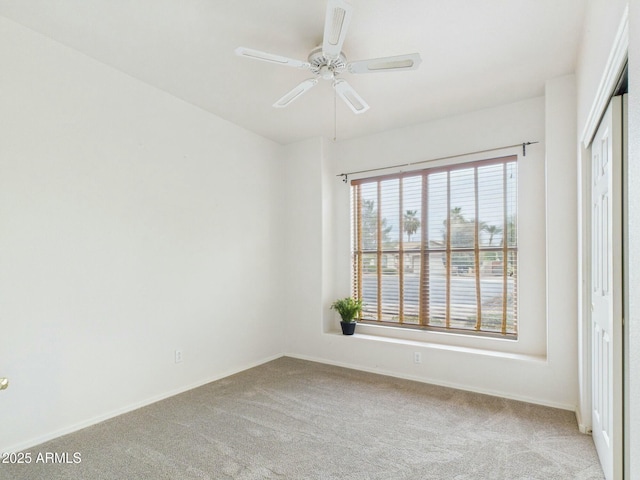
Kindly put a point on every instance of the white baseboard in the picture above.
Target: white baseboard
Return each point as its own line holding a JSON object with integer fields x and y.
{"x": 582, "y": 426}
{"x": 32, "y": 442}
{"x": 494, "y": 393}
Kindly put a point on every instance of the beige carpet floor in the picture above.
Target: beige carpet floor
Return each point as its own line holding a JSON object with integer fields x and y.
{"x": 295, "y": 419}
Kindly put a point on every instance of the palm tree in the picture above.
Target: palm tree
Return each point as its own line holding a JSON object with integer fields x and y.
{"x": 512, "y": 230}
{"x": 492, "y": 230}
{"x": 370, "y": 226}
{"x": 411, "y": 223}
{"x": 456, "y": 215}
{"x": 461, "y": 230}
{"x": 461, "y": 233}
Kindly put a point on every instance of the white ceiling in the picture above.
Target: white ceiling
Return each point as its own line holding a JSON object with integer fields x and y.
{"x": 475, "y": 54}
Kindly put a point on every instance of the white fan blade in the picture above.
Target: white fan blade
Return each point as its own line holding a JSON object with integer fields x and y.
{"x": 335, "y": 27}
{"x": 386, "y": 64}
{"x": 295, "y": 93}
{"x": 350, "y": 96}
{"x": 270, "y": 57}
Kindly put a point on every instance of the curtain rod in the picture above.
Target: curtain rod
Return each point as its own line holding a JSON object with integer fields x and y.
{"x": 345, "y": 176}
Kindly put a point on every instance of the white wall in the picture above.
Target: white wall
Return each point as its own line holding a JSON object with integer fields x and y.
{"x": 602, "y": 20}
{"x": 532, "y": 368}
{"x": 132, "y": 224}
{"x": 562, "y": 228}
{"x": 303, "y": 250}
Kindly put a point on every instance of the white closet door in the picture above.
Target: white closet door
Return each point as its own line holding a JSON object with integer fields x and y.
{"x": 606, "y": 290}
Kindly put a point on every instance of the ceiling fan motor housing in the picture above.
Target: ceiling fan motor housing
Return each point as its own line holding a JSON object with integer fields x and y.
{"x": 324, "y": 67}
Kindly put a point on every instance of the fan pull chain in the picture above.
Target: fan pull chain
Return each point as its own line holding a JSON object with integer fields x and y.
{"x": 335, "y": 114}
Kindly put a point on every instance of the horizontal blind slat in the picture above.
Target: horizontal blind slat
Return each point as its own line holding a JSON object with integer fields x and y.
{"x": 439, "y": 247}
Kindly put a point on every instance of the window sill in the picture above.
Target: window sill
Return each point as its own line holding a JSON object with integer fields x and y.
{"x": 468, "y": 350}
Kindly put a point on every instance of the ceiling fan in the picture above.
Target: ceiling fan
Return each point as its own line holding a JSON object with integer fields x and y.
{"x": 328, "y": 61}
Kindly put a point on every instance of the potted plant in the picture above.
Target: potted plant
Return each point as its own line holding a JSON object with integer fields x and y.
{"x": 349, "y": 308}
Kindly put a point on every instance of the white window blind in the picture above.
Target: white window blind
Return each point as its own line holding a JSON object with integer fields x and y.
{"x": 437, "y": 248}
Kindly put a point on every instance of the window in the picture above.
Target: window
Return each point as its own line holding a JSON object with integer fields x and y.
{"x": 437, "y": 248}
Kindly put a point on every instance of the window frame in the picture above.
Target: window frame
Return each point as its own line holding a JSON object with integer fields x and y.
{"x": 507, "y": 249}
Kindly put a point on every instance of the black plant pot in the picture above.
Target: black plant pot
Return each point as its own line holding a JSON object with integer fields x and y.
{"x": 348, "y": 327}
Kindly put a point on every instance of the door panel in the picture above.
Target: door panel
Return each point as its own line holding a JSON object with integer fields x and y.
{"x": 606, "y": 291}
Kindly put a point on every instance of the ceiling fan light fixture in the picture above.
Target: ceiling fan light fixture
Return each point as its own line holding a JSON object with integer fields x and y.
{"x": 328, "y": 60}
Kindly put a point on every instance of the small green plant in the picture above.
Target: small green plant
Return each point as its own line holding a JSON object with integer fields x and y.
{"x": 348, "y": 308}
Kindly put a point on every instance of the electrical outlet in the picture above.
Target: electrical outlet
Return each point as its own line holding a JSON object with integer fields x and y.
{"x": 417, "y": 357}
{"x": 178, "y": 356}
